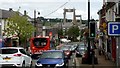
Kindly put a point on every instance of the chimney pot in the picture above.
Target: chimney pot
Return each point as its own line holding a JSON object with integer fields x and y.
{"x": 10, "y": 9}
{"x": 25, "y": 13}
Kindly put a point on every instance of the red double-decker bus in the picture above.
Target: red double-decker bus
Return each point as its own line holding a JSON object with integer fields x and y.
{"x": 39, "y": 44}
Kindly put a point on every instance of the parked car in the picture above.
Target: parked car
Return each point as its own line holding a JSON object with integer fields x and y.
{"x": 15, "y": 56}
{"x": 65, "y": 40}
{"x": 51, "y": 58}
{"x": 80, "y": 50}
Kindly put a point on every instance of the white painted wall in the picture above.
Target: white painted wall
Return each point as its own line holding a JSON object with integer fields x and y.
{"x": 110, "y": 14}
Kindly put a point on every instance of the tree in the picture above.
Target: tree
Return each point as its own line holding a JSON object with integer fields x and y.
{"x": 73, "y": 32}
{"x": 20, "y": 26}
{"x": 60, "y": 33}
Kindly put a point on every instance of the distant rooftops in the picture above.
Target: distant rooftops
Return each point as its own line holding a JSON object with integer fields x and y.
{"x": 4, "y": 14}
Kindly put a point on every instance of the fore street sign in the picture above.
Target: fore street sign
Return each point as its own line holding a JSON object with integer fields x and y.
{"x": 114, "y": 28}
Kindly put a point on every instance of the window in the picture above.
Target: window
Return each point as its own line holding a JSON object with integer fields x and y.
{"x": 8, "y": 51}
{"x": 40, "y": 42}
{"x": 23, "y": 51}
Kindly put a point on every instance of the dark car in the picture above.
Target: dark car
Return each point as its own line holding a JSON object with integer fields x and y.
{"x": 73, "y": 48}
{"x": 66, "y": 50}
{"x": 80, "y": 50}
{"x": 51, "y": 58}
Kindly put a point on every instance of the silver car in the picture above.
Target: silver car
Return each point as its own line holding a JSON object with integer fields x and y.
{"x": 80, "y": 50}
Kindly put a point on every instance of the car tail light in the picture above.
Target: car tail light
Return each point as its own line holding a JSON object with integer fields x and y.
{"x": 67, "y": 53}
{"x": 83, "y": 55}
{"x": 17, "y": 55}
{"x": 33, "y": 47}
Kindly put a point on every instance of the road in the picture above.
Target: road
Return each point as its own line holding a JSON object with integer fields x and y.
{"x": 75, "y": 62}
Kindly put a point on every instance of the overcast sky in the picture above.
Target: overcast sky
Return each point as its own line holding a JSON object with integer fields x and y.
{"x": 53, "y": 8}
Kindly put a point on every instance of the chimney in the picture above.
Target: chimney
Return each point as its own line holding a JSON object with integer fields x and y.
{"x": 10, "y": 9}
{"x": 25, "y": 13}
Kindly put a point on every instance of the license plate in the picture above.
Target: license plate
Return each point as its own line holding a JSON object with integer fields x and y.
{"x": 48, "y": 65}
{"x": 6, "y": 58}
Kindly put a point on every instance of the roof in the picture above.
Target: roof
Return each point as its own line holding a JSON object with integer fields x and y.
{"x": 4, "y": 14}
{"x": 65, "y": 25}
{"x": 12, "y": 48}
{"x": 42, "y": 36}
{"x": 53, "y": 51}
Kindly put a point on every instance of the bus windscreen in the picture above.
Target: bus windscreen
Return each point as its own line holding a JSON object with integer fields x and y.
{"x": 40, "y": 42}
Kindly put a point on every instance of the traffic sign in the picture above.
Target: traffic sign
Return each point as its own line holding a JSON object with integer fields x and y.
{"x": 101, "y": 33}
{"x": 114, "y": 28}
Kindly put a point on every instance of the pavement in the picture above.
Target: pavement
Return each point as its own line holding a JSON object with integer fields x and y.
{"x": 102, "y": 62}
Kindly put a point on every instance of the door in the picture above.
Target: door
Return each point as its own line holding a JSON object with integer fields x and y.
{"x": 27, "y": 58}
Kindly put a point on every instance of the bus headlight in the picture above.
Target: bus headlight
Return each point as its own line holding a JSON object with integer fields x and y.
{"x": 60, "y": 64}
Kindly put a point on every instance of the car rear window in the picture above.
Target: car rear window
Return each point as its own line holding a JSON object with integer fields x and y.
{"x": 8, "y": 51}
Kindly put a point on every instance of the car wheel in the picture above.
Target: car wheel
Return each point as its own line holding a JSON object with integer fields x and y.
{"x": 36, "y": 66}
{"x": 77, "y": 55}
{"x": 30, "y": 65}
{"x": 23, "y": 65}
{"x": 66, "y": 65}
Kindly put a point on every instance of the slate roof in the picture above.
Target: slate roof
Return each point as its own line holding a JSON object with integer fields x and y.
{"x": 4, "y": 14}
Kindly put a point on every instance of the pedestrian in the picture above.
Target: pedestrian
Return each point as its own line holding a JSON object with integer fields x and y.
{"x": 95, "y": 45}
{"x": 58, "y": 47}
{"x": 103, "y": 48}
{"x": 1, "y": 44}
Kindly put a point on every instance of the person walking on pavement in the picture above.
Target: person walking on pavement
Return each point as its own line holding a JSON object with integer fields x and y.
{"x": 94, "y": 59}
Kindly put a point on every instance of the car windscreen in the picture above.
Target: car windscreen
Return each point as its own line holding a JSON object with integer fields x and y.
{"x": 81, "y": 45}
{"x": 40, "y": 42}
{"x": 8, "y": 51}
{"x": 82, "y": 48}
{"x": 51, "y": 55}
{"x": 72, "y": 47}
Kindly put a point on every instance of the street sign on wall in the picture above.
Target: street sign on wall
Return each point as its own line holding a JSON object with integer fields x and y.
{"x": 114, "y": 28}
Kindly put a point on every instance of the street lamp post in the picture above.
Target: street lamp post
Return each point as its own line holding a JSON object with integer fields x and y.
{"x": 117, "y": 13}
{"x": 35, "y": 22}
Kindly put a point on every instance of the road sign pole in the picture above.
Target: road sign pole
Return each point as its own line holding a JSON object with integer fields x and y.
{"x": 117, "y": 52}
{"x": 118, "y": 46}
